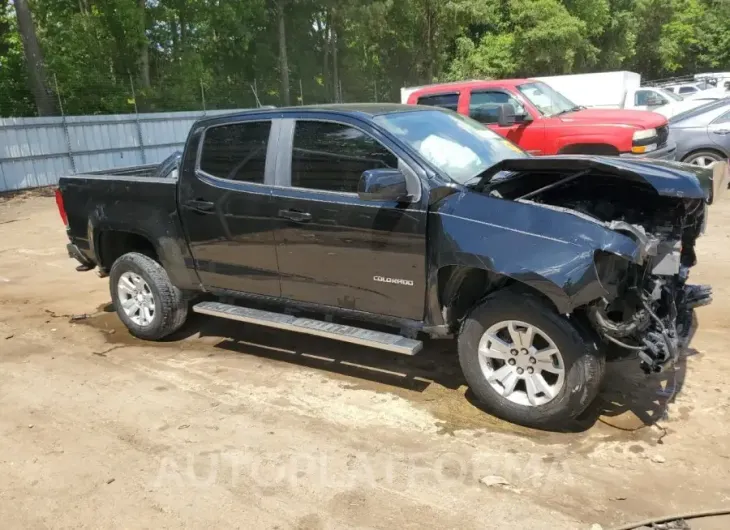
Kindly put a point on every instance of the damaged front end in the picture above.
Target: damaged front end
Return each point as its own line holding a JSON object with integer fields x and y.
{"x": 648, "y": 305}
{"x": 653, "y": 313}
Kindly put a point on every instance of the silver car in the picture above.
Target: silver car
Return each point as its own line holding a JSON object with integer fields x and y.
{"x": 702, "y": 134}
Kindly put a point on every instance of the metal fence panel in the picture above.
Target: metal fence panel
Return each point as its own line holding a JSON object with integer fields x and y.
{"x": 38, "y": 151}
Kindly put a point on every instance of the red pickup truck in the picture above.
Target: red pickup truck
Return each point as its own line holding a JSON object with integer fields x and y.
{"x": 544, "y": 122}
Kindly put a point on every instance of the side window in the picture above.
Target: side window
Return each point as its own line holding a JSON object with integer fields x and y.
{"x": 725, "y": 118}
{"x": 641, "y": 98}
{"x": 447, "y": 101}
{"x": 236, "y": 151}
{"x": 649, "y": 98}
{"x": 332, "y": 156}
{"x": 687, "y": 90}
{"x": 484, "y": 106}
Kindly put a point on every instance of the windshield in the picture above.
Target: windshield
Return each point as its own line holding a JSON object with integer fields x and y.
{"x": 456, "y": 145}
{"x": 671, "y": 95}
{"x": 548, "y": 101}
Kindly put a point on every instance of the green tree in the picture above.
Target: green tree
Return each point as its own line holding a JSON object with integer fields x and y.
{"x": 183, "y": 54}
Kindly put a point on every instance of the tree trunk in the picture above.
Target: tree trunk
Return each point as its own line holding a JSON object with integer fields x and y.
{"x": 283, "y": 60}
{"x": 335, "y": 67}
{"x": 37, "y": 79}
{"x": 144, "y": 52}
{"x": 183, "y": 32}
{"x": 326, "y": 65}
{"x": 429, "y": 42}
{"x": 175, "y": 38}
{"x": 334, "y": 42}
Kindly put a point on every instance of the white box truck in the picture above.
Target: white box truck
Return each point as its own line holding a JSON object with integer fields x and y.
{"x": 619, "y": 90}
{"x": 605, "y": 89}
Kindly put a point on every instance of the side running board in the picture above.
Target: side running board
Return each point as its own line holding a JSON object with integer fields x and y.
{"x": 363, "y": 337}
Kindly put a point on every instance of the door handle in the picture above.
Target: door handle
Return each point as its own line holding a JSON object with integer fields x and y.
{"x": 295, "y": 215}
{"x": 721, "y": 131}
{"x": 200, "y": 205}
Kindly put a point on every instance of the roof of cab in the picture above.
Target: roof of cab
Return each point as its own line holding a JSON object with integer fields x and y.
{"x": 362, "y": 109}
{"x": 456, "y": 86}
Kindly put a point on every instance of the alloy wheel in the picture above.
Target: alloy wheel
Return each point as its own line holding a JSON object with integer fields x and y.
{"x": 521, "y": 363}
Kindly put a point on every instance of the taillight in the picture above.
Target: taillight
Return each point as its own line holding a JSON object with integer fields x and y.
{"x": 61, "y": 208}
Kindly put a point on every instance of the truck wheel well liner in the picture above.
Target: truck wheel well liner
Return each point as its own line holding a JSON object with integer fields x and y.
{"x": 460, "y": 288}
{"x": 113, "y": 244}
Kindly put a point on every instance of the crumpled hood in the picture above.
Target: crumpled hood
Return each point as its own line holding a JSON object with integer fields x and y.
{"x": 635, "y": 119}
{"x": 670, "y": 179}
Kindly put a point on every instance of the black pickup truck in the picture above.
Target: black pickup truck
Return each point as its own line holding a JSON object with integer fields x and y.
{"x": 413, "y": 220}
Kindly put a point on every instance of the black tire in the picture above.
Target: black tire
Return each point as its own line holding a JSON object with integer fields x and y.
{"x": 171, "y": 305}
{"x": 583, "y": 361}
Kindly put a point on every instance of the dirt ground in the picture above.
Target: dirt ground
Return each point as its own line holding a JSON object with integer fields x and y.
{"x": 231, "y": 425}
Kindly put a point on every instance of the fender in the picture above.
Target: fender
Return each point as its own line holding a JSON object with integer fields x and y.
{"x": 549, "y": 250}
{"x": 153, "y": 216}
{"x": 618, "y": 137}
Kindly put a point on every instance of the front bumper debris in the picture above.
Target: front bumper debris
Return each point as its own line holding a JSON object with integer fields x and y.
{"x": 667, "y": 338}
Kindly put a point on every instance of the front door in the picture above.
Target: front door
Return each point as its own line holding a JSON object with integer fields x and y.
{"x": 528, "y": 132}
{"x": 227, "y": 209}
{"x": 719, "y": 131}
{"x": 336, "y": 249}
{"x": 649, "y": 99}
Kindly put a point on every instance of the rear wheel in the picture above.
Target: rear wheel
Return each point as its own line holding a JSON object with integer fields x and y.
{"x": 145, "y": 299}
{"x": 526, "y": 363}
{"x": 703, "y": 158}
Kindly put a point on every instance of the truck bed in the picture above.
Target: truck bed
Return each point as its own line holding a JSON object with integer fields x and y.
{"x": 147, "y": 170}
{"x": 128, "y": 200}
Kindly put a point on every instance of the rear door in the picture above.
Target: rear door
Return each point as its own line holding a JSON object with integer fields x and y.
{"x": 227, "y": 208}
{"x": 336, "y": 249}
{"x": 719, "y": 132}
{"x": 528, "y": 131}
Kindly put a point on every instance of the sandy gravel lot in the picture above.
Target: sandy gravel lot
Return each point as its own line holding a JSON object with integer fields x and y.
{"x": 231, "y": 425}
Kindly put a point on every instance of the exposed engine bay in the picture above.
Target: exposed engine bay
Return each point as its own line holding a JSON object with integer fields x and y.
{"x": 648, "y": 306}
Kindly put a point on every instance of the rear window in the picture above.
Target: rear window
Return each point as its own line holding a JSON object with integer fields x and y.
{"x": 446, "y": 101}
{"x": 236, "y": 151}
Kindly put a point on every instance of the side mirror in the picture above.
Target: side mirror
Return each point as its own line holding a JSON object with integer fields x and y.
{"x": 383, "y": 185}
{"x": 506, "y": 116}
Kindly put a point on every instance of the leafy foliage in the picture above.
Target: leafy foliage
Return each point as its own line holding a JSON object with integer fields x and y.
{"x": 110, "y": 55}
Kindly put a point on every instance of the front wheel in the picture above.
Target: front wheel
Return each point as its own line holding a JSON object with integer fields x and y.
{"x": 146, "y": 301}
{"x": 703, "y": 158}
{"x": 526, "y": 363}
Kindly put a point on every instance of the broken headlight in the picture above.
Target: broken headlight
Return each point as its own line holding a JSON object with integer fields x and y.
{"x": 611, "y": 271}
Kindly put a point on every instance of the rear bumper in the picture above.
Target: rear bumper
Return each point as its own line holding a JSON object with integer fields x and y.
{"x": 668, "y": 152}
{"x": 75, "y": 253}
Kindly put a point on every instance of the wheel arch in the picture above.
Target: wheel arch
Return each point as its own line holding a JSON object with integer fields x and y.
{"x": 714, "y": 149}
{"x": 462, "y": 287}
{"x": 111, "y": 244}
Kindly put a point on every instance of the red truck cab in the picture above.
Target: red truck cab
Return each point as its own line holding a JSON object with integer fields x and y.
{"x": 547, "y": 123}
